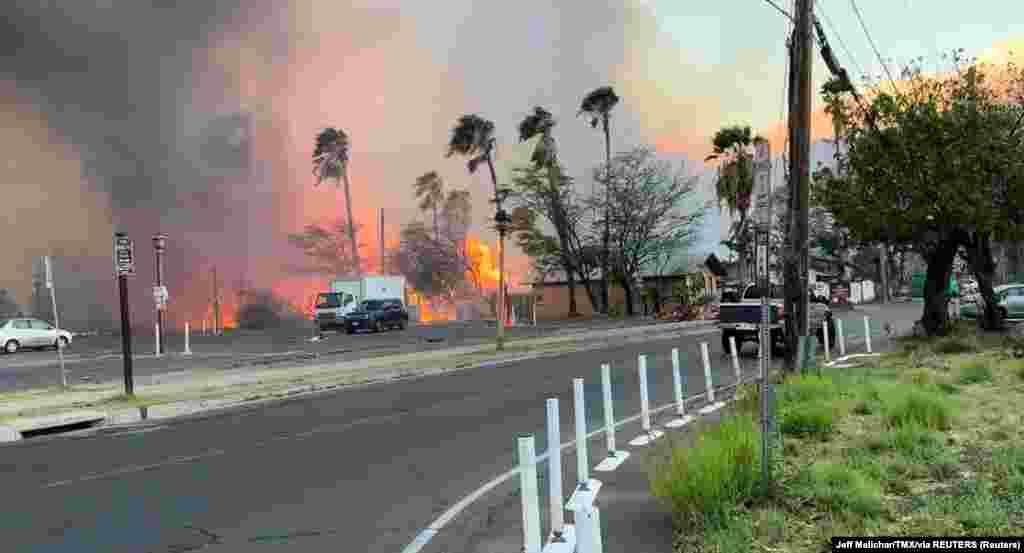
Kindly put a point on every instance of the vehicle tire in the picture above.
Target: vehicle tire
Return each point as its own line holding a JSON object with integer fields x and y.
{"x": 377, "y": 326}
{"x": 349, "y": 330}
{"x": 61, "y": 343}
{"x": 11, "y": 346}
{"x": 401, "y": 325}
{"x": 725, "y": 344}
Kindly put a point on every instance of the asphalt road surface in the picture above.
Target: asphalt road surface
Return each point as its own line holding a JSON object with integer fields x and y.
{"x": 99, "y": 359}
{"x": 362, "y": 469}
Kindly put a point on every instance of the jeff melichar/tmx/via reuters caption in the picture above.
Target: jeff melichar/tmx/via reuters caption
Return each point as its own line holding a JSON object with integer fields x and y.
{"x": 854, "y": 545}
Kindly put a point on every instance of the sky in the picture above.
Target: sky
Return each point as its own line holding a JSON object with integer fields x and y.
{"x": 197, "y": 119}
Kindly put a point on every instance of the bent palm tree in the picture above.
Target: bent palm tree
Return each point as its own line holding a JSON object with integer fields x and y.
{"x": 545, "y": 156}
{"x": 598, "y": 106}
{"x": 473, "y": 137}
{"x": 429, "y": 190}
{"x": 330, "y": 160}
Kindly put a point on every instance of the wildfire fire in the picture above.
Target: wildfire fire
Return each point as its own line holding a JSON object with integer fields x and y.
{"x": 484, "y": 266}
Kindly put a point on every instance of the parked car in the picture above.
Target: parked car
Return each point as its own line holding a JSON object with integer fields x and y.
{"x": 740, "y": 319}
{"x": 17, "y": 333}
{"x": 376, "y": 315}
{"x": 1009, "y": 298}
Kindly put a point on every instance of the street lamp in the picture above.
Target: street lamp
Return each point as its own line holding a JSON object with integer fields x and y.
{"x": 160, "y": 245}
{"x": 501, "y": 223}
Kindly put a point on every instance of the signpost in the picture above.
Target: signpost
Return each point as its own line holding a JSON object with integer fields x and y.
{"x": 124, "y": 266}
{"x": 762, "y": 184}
{"x": 48, "y": 271}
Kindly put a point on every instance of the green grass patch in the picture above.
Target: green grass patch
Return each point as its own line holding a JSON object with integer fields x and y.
{"x": 838, "y": 488}
{"x": 975, "y": 371}
{"x": 703, "y": 483}
{"x": 817, "y": 418}
{"x": 903, "y": 405}
{"x": 955, "y": 343}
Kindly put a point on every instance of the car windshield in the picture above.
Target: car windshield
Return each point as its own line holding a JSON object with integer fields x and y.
{"x": 3, "y": 322}
{"x": 373, "y": 305}
{"x": 328, "y": 301}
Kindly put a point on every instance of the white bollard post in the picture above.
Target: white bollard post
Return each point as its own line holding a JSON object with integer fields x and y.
{"x": 708, "y": 383}
{"x": 645, "y": 407}
{"x": 842, "y": 339}
{"x": 678, "y": 383}
{"x": 156, "y": 352}
{"x": 529, "y": 495}
{"x": 867, "y": 333}
{"x": 582, "y": 462}
{"x": 824, "y": 334}
{"x": 555, "y": 471}
{"x": 204, "y": 327}
{"x": 734, "y": 351}
{"x": 188, "y": 350}
{"x": 586, "y": 487}
{"x": 614, "y": 458}
{"x": 588, "y": 524}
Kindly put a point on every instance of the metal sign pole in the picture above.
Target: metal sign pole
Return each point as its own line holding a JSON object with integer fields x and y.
{"x": 48, "y": 270}
{"x": 124, "y": 266}
{"x": 762, "y": 179}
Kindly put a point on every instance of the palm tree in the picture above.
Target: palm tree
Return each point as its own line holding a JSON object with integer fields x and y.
{"x": 330, "y": 160}
{"x": 430, "y": 192}
{"x": 735, "y": 182}
{"x": 473, "y": 137}
{"x": 545, "y": 156}
{"x": 598, "y": 106}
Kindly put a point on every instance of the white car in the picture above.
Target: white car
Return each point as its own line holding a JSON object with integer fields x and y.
{"x": 20, "y": 333}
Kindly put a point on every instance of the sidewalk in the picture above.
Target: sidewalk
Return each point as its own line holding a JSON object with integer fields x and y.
{"x": 191, "y": 391}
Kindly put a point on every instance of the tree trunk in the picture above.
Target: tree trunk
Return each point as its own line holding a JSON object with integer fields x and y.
{"x": 627, "y": 289}
{"x": 351, "y": 225}
{"x": 979, "y": 256}
{"x": 573, "y": 311}
{"x": 437, "y": 229}
{"x": 939, "y": 266}
{"x": 561, "y": 224}
{"x": 742, "y": 246}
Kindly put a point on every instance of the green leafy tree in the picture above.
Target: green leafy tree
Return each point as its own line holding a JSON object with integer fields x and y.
{"x": 597, "y": 106}
{"x": 330, "y": 160}
{"x": 936, "y": 165}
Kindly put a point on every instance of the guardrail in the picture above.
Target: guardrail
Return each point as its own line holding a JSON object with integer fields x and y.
{"x": 584, "y": 535}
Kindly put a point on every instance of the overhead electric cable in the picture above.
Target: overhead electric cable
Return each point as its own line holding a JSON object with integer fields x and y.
{"x": 878, "y": 54}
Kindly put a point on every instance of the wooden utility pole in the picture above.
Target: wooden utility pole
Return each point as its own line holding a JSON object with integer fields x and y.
{"x": 216, "y": 304}
{"x": 801, "y": 98}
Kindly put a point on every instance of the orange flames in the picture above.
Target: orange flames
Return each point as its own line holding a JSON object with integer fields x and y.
{"x": 483, "y": 265}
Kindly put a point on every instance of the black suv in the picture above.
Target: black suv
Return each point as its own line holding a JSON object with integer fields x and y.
{"x": 376, "y": 315}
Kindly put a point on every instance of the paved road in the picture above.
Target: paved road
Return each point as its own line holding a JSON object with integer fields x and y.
{"x": 98, "y": 358}
{"x": 356, "y": 470}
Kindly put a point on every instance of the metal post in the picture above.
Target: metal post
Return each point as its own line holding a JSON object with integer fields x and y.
{"x": 582, "y": 462}
{"x": 156, "y": 327}
{"x": 188, "y": 350}
{"x": 48, "y": 270}
{"x": 159, "y": 245}
{"x": 645, "y": 412}
{"x": 842, "y": 339}
{"x": 867, "y": 333}
{"x": 735, "y": 360}
{"x": 126, "y": 335}
{"x": 529, "y": 494}
{"x": 555, "y": 470}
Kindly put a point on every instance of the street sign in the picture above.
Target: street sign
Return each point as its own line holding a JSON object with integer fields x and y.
{"x": 48, "y": 271}
{"x": 762, "y": 181}
{"x": 160, "y": 296}
{"x": 124, "y": 256}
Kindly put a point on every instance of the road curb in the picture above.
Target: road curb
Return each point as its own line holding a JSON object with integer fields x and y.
{"x": 591, "y": 340}
{"x": 9, "y": 434}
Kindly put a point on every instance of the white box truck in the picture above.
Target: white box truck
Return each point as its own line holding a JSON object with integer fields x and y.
{"x": 346, "y": 294}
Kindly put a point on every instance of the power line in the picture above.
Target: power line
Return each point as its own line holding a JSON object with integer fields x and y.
{"x": 878, "y": 54}
{"x": 782, "y": 11}
{"x": 828, "y": 21}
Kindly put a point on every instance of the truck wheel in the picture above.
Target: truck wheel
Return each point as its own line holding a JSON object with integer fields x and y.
{"x": 401, "y": 325}
{"x": 725, "y": 344}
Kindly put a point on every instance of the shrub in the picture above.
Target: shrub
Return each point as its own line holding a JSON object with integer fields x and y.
{"x": 948, "y": 388}
{"x": 905, "y": 406}
{"x": 806, "y": 388}
{"x": 809, "y": 419}
{"x": 702, "y": 484}
{"x": 840, "y": 489}
{"x": 975, "y": 371}
{"x": 914, "y": 441}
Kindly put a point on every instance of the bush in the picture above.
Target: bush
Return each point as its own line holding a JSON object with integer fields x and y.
{"x": 809, "y": 419}
{"x": 975, "y": 371}
{"x": 840, "y": 489}
{"x": 906, "y": 406}
{"x": 808, "y": 388}
{"x": 916, "y": 442}
{"x": 703, "y": 483}
{"x": 956, "y": 343}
